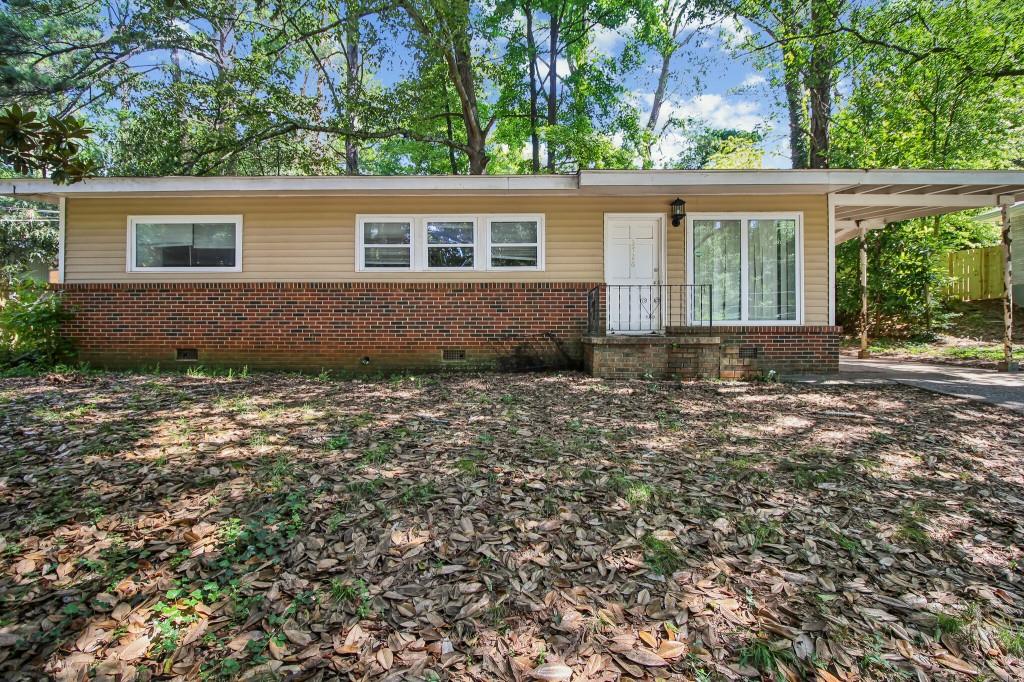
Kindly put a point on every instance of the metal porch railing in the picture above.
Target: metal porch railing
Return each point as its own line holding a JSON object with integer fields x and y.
{"x": 647, "y": 308}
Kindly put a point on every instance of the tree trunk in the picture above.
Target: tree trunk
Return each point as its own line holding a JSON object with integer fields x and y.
{"x": 531, "y": 45}
{"x": 447, "y": 30}
{"x": 452, "y": 160}
{"x": 352, "y": 86}
{"x": 821, "y": 111}
{"x": 819, "y": 82}
{"x": 461, "y": 70}
{"x": 795, "y": 105}
{"x": 552, "y": 85}
{"x": 659, "y": 99}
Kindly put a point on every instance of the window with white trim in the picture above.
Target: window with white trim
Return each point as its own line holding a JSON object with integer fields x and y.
{"x": 450, "y": 242}
{"x": 514, "y": 243}
{"x": 184, "y": 243}
{"x": 752, "y": 264}
{"x": 386, "y": 244}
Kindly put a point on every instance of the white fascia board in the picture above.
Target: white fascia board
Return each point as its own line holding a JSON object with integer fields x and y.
{"x": 716, "y": 178}
{"x": 822, "y": 180}
{"x": 497, "y": 184}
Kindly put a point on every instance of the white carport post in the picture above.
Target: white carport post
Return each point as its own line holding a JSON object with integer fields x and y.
{"x": 1007, "y": 365}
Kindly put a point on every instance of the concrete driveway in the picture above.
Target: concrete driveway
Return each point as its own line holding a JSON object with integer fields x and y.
{"x": 983, "y": 385}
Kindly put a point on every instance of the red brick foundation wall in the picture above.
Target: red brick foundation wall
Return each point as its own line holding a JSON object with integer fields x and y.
{"x": 333, "y": 325}
{"x": 787, "y": 350}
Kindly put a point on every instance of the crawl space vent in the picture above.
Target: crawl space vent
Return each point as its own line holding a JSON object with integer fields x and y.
{"x": 453, "y": 354}
{"x": 748, "y": 352}
{"x": 186, "y": 354}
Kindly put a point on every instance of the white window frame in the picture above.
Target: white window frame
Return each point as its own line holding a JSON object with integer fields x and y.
{"x": 744, "y": 218}
{"x": 481, "y": 240}
{"x": 537, "y": 218}
{"x": 421, "y": 230}
{"x": 134, "y": 220}
{"x": 361, "y": 220}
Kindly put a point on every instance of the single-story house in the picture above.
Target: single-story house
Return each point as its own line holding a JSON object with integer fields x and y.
{"x": 1017, "y": 243}
{"x": 631, "y": 273}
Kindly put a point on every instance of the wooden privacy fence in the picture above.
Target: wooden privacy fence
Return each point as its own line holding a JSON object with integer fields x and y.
{"x": 975, "y": 274}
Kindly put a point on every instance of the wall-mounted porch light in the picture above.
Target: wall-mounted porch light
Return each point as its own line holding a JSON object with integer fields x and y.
{"x": 678, "y": 211}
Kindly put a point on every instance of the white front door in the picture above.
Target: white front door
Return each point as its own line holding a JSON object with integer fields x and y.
{"x": 632, "y": 272}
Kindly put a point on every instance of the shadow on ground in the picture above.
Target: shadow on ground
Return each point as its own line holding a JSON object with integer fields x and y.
{"x": 497, "y": 526}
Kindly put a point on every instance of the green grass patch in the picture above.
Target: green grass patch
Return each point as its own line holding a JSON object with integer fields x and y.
{"x": 339, "y": 442}
{"x": 760, "y": 654}
{"x": 759, "y": 531}
{"x": 662, "y": 557}
{"x": 1012, "y": 640}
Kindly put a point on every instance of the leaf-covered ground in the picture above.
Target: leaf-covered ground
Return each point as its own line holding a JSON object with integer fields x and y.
{"x": 499, "y": 527}
{"x": 970, "y": 335}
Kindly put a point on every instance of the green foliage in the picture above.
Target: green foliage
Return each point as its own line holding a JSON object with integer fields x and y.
{"x": 354, "y": 594}
{"x": 33, "y": 143}
{"x": 722, "y": 148}
{"x": 1012, "y": 640}
{"x": 27, "y": 237}
{"x": 30, "y": 323}
{"x": 906, "y": 273}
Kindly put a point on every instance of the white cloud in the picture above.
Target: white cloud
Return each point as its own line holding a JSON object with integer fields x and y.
{"x": 734, "y": 31}
{"x": 607, "y": 41}
{"x": 561, "y": 65}
{"x": 753, "y": 80}
{"x": 184, "y": 27}
{"x": 717, "y": 111}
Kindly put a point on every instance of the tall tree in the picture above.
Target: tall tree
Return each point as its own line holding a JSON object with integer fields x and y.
{"x": 445, "y": 28}
{"x": 801, "y": 41}
{"x": 667, "y": 27}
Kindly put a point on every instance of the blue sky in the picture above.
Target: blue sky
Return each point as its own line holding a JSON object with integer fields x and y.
{"x": 714, "y": 82}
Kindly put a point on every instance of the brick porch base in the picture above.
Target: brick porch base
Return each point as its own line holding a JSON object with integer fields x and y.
{"x": 714, "y": 352}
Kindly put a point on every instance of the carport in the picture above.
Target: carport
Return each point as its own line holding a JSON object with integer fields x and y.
{"x": 880, "y": 198}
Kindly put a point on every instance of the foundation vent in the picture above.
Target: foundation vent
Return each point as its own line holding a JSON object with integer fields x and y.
{"x": 186, "y": 354}
{"x": 748, "y": 352}
{"x": 453, "y": 354}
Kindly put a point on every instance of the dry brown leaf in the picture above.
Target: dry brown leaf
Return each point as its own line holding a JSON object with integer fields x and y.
{"x": 134, "y": 650}
{"x": 551, "y": 672}
{"x": 670, "y": 649}
{"x": 645, "y": 658}
{"x": 957, "y": 664}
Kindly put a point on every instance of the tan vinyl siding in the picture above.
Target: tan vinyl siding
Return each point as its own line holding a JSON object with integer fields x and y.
{"x": 312, "y": 238}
